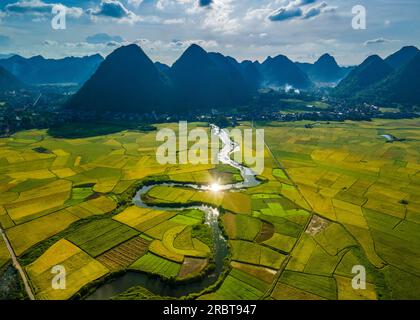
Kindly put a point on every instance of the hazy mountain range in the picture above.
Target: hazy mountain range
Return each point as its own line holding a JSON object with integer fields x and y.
{"x": 38, "y": 70}
{"x": 127, "y": 80}
{"x": 391, "y": 80}
{"x": 9, "y": 82}
{"x": 325, "y": 70}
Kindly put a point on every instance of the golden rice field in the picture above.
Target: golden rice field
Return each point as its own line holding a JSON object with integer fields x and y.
{"x": 367, "y": 189}
{"x": 80, "y": 269}
{"x": 334, "y": 196}
{"x": 4, "y": 253}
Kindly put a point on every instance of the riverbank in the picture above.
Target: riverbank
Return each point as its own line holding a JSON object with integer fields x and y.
{"x": 163, "y": 287}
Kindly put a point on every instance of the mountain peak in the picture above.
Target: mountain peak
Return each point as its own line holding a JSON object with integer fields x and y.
{"x": 127, "y": 79}
{"x": 204, "y": 80}
{"x": 193, "y": 57}
{"x": 194, "y": 50}
{"x": 401, "y": 86}
{"x": 128, "y": 49}
{"x": 37, "y": 58}
{"x": 280, "y": 57}
{"x": 326, "y": 58}
{"x": 373, "y": 70}
{"x": 372, "y": 59}
{"x": 402, "y": 57}
{"x": 372, "y": 62}
{"x": 130, "y": 54}
{"x": 16, "y": 57}
{"x": 409, "y": 49}
{"x": 95, "y": 56}
{"x": 280, "y": 70}
{"x": 325, "y": 70}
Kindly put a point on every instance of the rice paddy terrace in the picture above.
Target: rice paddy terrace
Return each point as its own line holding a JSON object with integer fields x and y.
{"x": 331, "y": 197}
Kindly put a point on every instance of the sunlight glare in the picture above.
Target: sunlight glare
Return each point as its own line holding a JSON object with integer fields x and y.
{"x": 215, "y": 187}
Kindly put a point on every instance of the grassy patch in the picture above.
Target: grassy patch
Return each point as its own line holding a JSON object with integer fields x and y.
{"x": 99, "y": 236}
{"x": 156, "y": 265}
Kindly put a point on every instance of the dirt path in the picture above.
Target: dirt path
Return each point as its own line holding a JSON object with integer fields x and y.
{"x": 18, "y": 267}
{"x": 289, "y": 255}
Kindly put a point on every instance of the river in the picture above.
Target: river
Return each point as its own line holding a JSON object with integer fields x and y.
{"x": 155, "y": 284}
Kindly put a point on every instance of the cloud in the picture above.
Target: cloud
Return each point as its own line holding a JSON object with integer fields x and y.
{"x": 317, "y": 10}
{"x": 49, "y": 43}
{"x": 174, "y": 21}
{"x": 113, "y": 44}
{"x": 377, "y": 41}
{"x": 5, "y": 41}
{"x": 183, "y": 44}
{"x": 135, "y": 3}
{"x": 103, "y": 38}
{"x": 39, "y": 8}
{"x": 285, "y": 13}
{"x": 221, "y": 17}
{"x": 114, "y": 9}
{"x": 92, "y": 47}
{"x": 293, "y": 10}
{"x": 175, "y": 45}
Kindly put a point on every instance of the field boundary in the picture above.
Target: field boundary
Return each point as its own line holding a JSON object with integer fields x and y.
{"x": 18, "y": 267}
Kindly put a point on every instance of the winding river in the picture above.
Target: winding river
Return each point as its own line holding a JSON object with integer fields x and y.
{"x": 155, "y": 284}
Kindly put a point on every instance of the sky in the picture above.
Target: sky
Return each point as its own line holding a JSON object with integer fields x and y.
{"x": 244, "y": 29}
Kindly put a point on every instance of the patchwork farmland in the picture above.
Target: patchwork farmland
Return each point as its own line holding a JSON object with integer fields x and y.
{"x": 331, "y": 197}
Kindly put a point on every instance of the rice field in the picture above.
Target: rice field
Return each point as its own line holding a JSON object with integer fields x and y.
{"x": 334, "y": 196}
{"x": 4, "y": 253}
{"x": 367, "y": 191}
{"x": 80, "y": 268}
{"x": 125, "y": 254}
{"x": 100, "y": 236}
{"x": 156, "y": 265}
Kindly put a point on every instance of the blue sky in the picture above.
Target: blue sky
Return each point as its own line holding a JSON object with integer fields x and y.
{"x": 244, "y": 29}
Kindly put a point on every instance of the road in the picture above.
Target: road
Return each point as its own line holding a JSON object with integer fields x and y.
{"x": 18, "y": 267}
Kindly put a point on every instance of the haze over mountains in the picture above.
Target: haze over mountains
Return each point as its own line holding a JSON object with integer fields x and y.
{"x": 372, "y": 70}
{"x": 9, "y": 82}
{"x": 280, "y": 71}
{"x": 198, "y": 79}
{"x": 325, "y": 70}
{"x": 401, "y": 57}
{"x": 393, "y": 80}
{"x": 401, "y": 86}
{"x": 128, "y": 81}
{"x": 38, "y": 70}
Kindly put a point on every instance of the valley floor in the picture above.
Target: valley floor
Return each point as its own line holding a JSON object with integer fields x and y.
{"x": 335, "y": 195}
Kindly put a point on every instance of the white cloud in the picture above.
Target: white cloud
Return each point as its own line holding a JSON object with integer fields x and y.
{"x": 39, "y": 8}
{"x": 317, "y": 10}
{"x": 377, "y": 41}
{"x": 114, "y": 9}
{"x": 285, "y": 13}
{"x": 174, "y": 21}
{"x": 220, "y": 18}
{"x": 135, "y": 3}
